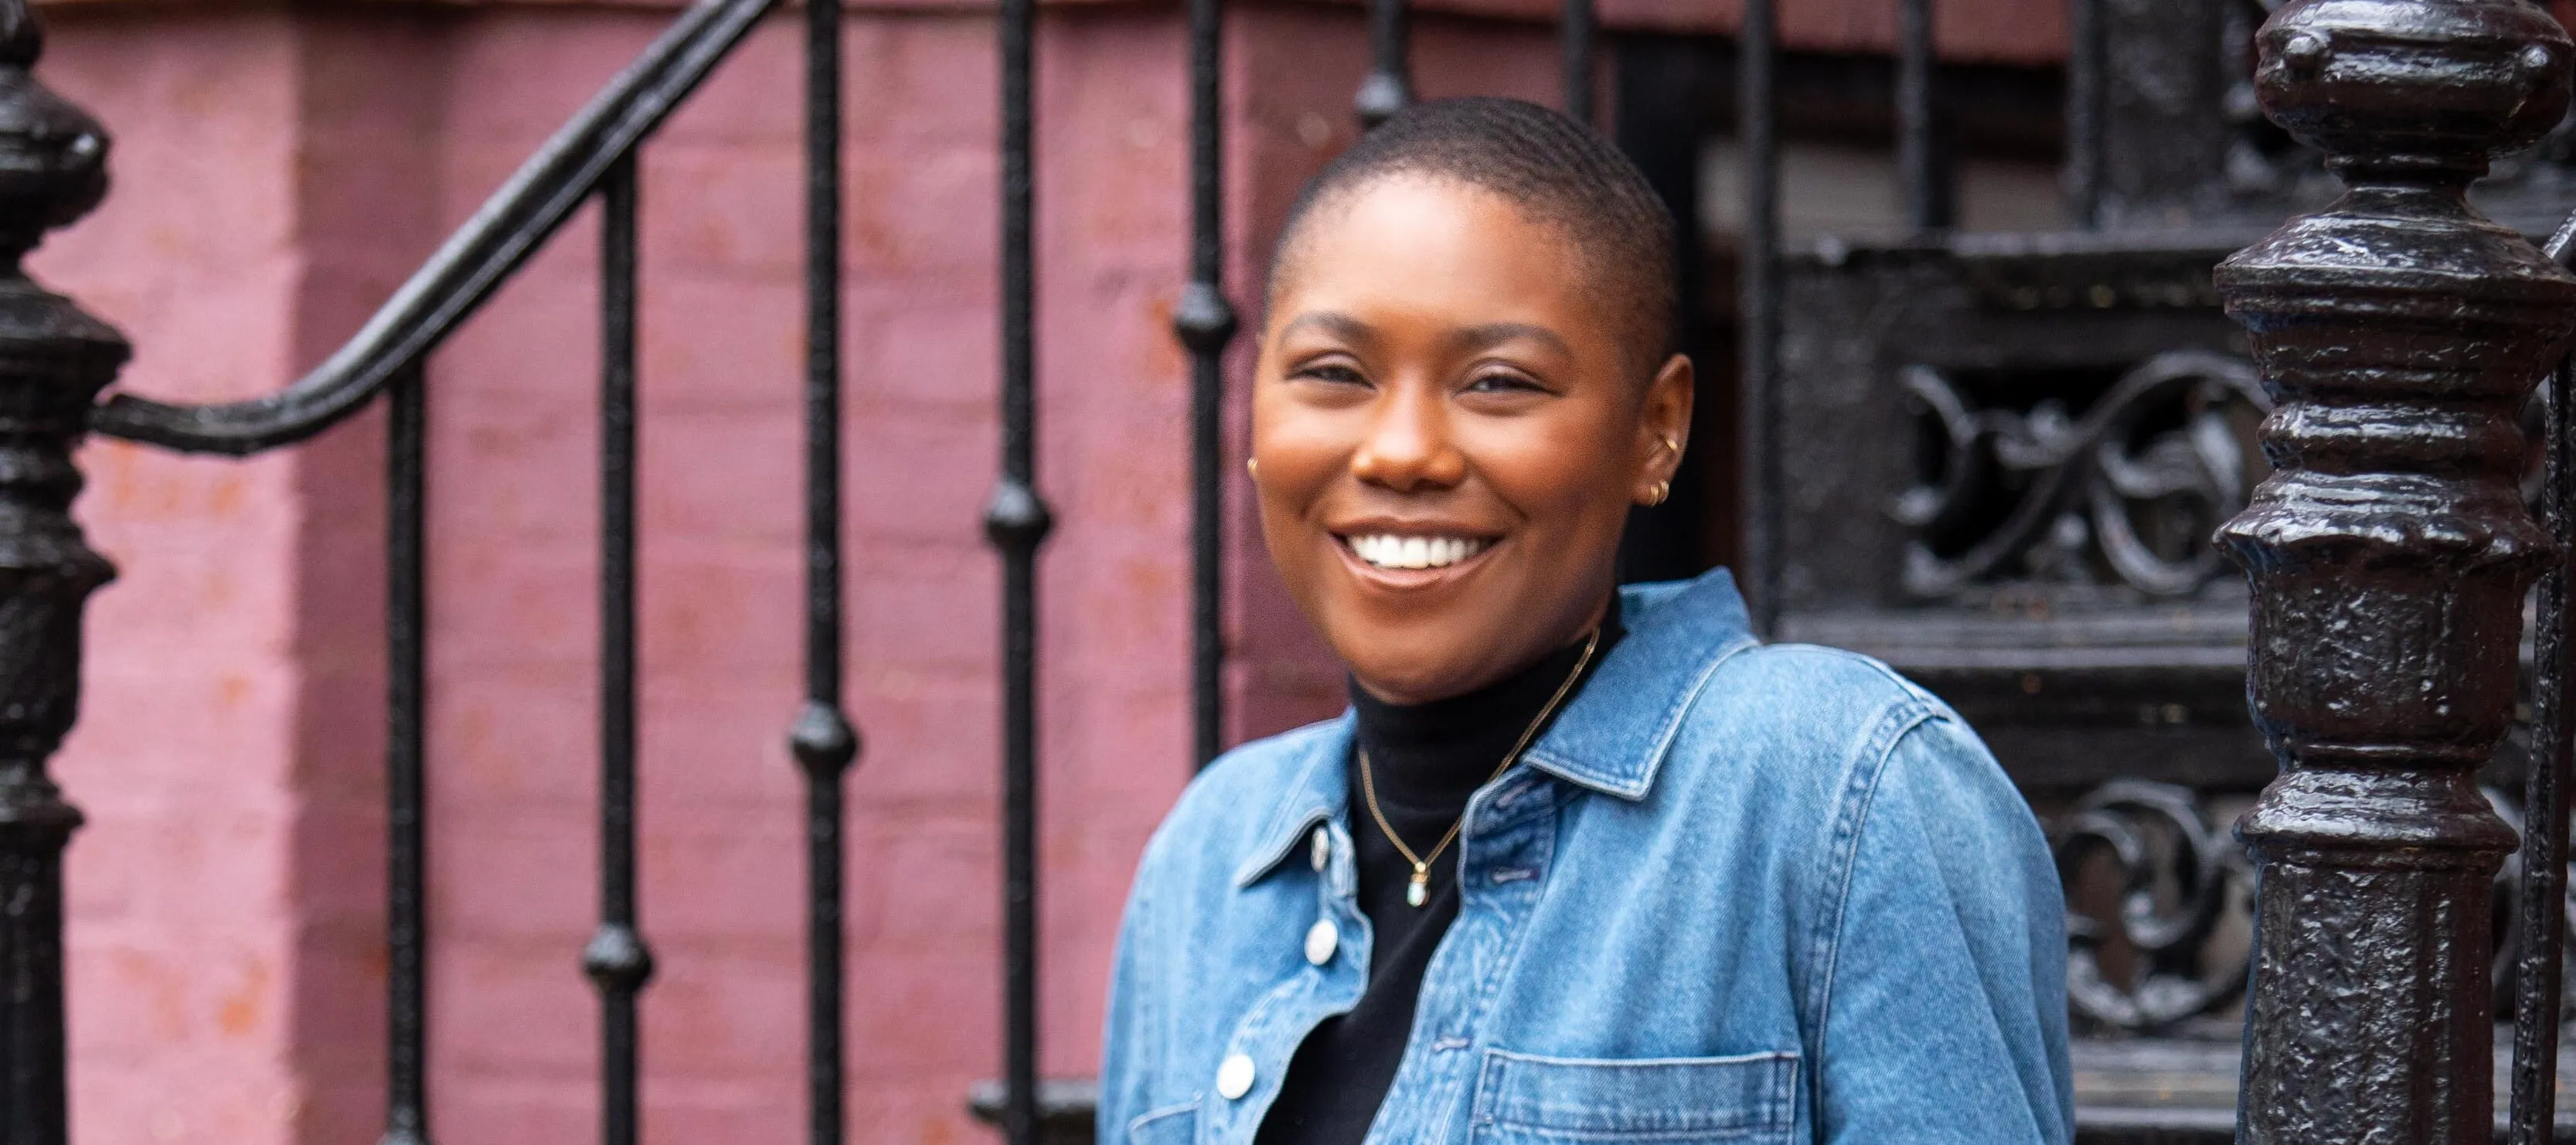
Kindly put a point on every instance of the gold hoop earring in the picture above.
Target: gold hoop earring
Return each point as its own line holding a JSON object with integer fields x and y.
{"x": 1252, "y": 468}
{"x": 1657, "y": 495}
{"x": 1672, "y": 446}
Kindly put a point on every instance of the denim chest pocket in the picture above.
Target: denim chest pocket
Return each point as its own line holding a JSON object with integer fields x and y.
{"x": 1522, "y": 1099}
{"x": 1170, "y": 1125}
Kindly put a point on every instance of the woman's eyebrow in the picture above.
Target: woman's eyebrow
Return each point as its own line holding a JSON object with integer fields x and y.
{"x": 1332, "y": 322}
{"x": 1492, "y": 334}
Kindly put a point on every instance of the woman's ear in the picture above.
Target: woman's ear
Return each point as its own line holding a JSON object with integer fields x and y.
{"x": 1665, "y": 423}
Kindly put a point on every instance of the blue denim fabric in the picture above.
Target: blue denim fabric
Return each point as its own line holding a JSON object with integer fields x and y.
{"x": 1737, "y": 893}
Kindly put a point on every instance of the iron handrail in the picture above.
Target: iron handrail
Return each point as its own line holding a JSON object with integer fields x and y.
{"x": 503, "y": 233}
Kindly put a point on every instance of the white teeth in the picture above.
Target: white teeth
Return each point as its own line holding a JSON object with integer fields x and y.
{"x": 1386, "y": 550}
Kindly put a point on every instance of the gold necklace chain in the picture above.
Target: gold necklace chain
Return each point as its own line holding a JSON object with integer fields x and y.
{"x": 1418, "y": 891}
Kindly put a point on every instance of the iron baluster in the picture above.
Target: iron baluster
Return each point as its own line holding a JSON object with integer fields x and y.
{"x": 1388, "y": 87}
{"x": 58, "y": 358}
{"x": 2538, "y": 974}
{"x": 2389, "y": 550}
{"x": 1757, "y": 50}
{"x": 823, "y": 741}
{"x": 1922, "y": 153}
{"x": 1016, "y": 521}
{"x": 2086, "y": 61}
{"x": 1206, "y": 322}
{"x": 406, "y": 804}
{"x": 1575, "y": 39}
{"x": 617, "y": 959}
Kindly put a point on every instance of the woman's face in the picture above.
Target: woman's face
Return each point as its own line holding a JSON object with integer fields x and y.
{"x": 1449, "y": 429}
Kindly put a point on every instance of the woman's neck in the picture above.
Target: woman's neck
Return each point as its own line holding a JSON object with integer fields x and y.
{"x": 1438, "y": 753}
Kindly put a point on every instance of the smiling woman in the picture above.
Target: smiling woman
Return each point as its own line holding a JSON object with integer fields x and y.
{"x": 1614, "y": 871}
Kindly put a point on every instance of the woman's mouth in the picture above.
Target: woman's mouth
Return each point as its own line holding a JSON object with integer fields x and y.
{"x": 1395, "y": 552}
{"x": 1389, "y": 551}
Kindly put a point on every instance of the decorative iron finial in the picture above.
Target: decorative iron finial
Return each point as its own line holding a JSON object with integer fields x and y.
{"x": 22, "y": 40}
{"x": 53, "y": 156}
{"x": 2401, "y": 333}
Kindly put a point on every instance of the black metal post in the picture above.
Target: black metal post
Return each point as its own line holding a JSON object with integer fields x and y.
{"x": 617, "y": 959}
{"x": 1923, "y": 158}
{"x": 1758, "y": 252}
{"x": 2543, "y": 917}
{"x": 1575, "y": 34}
{"x": 2085, "y": 63}
{"x": 2542, "y": 943}
{"x": 1388, "y": 87}
{"x": 823, "y": 741}
{"x": 406, "y": 802}
{"x": 2401, "y": 334}
{"x": 57, "y": 358}
{"x": 1016, "y": 521}
{"x": 1205, "y": 322}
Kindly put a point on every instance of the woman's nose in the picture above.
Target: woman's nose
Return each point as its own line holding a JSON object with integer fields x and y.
{"x": 1408, "y": 446}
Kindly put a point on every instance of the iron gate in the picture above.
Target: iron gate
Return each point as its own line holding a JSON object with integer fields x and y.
{"x": 2396, "y": 333}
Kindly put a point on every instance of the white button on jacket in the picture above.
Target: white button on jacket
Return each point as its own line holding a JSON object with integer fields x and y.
{"x": 1234, "y": 1077}
{"x": 1322, "y": 940}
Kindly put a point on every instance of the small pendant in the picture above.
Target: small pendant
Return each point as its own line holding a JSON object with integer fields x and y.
{"x": 1418, "y": 891}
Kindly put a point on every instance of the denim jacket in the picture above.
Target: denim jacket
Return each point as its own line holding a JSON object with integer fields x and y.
{"x": 1742, "y": 893}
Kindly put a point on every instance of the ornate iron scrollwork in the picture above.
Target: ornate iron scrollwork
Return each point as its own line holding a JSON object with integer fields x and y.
{"x": 2179, "y": 885}
{"x": 2178, "y": 878}
{"x": 2162, "y": 436}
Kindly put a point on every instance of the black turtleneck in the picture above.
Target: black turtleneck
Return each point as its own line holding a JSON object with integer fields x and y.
{"x": 1427, "y": 760}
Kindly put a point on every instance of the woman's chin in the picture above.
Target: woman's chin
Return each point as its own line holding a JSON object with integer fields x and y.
{"x": 1419, "y": 682}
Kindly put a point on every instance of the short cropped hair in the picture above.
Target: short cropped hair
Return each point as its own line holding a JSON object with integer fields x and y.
{"x": 1560, "y": 172}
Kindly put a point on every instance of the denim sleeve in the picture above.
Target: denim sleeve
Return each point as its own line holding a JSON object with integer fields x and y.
{"x": 1945, "y": 1013}
{"x": 1126, "y": 1051}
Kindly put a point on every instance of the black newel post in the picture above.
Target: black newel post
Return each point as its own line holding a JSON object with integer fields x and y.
{"x": 2389, "y": 551}
{"x": 53, "y": 361}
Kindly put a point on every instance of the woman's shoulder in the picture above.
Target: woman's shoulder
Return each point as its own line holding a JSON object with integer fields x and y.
{"x": 1693, "y": 691}
{"x": 1828, "y": 722}
{"x": 1824, "y": 688}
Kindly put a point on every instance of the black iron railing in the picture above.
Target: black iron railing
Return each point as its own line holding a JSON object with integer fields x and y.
{"x": 1017, "y": 521}
{"x": 2539, "y": 978}
{"x": 1205, "y": 323}
{"x": 592, "y": 157}
{"x": 1758, "y": 300}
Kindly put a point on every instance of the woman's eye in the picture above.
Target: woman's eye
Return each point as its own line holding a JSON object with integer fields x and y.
{"x": 1331, "y": 372}
{"x": 1504, "y": 383}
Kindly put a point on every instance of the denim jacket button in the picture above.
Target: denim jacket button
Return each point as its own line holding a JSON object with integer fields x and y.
{"x": 1322, "y": 940}
{"x": 1234, "y": 1077}
{"x": 1323, "y": 850}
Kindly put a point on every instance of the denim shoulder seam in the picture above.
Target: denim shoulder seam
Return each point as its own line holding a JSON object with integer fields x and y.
{"x": 1868, "y": 764}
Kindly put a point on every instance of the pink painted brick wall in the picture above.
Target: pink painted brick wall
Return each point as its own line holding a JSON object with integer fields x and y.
{"x": 279, "y": 172}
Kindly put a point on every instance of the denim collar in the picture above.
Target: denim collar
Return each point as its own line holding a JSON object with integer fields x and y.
{"x": 1612, "y": 738}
